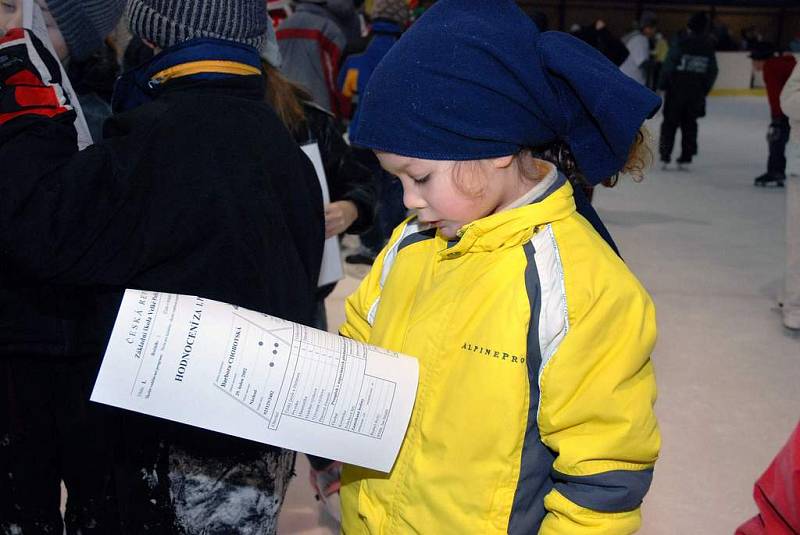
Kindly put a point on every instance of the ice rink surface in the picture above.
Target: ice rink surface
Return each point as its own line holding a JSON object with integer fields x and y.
{"x": 709, "y": 248}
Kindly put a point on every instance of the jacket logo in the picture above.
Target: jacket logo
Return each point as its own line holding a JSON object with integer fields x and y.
{"x": 491, "y": 353}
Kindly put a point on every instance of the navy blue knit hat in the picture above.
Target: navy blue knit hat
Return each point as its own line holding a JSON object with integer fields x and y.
{"x": 475, "y": 79}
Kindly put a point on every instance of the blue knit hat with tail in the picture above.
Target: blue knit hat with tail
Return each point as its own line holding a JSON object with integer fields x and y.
{"x": 475, "y": 79}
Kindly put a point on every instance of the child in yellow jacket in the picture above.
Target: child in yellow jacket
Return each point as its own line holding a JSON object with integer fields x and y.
{"x": 534, "y": 412}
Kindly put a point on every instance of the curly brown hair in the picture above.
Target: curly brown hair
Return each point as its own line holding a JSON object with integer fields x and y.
{"x": 640, "y": 158}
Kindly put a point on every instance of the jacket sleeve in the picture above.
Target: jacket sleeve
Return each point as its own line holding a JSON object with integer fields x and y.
{"x": 776, "y": 493}
{"x": 790, "y": 96}
{"x": 596, "y": 414}
{"x": 65, "y": 216}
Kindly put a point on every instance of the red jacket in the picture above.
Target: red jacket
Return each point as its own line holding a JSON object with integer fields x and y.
{"x": 776, "y": 71}
{"x": 777, "y": 494}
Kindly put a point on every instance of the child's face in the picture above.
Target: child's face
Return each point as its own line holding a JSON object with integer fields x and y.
{"x": 11, "y": 17}
{"x": 431, "y": 189}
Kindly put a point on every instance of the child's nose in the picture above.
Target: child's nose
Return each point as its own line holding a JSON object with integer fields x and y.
{"x": 411, "y": 199}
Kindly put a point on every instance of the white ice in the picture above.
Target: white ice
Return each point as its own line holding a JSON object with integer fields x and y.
{"x": 709, "y": 247}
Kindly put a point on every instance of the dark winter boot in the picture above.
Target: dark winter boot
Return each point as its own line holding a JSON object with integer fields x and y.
{"x": 768, "y": 179}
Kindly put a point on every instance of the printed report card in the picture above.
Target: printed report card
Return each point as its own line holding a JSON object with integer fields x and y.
{"x": 232, "y": 370}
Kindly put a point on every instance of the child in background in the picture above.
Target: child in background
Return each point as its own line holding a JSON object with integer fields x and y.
{"x": 534, "y": 412}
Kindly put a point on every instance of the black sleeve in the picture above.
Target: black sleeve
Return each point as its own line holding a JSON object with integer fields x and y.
{"x": 66, "y": 217}
{"x": 348, "y": 179}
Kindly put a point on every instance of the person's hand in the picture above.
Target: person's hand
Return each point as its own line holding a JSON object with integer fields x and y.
{"x": 339, "y": 216}
{"x": 29, "y": 76}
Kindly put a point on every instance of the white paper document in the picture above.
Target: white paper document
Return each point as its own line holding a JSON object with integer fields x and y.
{"x": 332, "y": 269}
{"x": 232, "y": 370}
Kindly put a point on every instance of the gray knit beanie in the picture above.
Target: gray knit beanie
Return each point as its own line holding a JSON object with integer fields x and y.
{"x": 168, "y": 22}
{"x": 85, "y": 23}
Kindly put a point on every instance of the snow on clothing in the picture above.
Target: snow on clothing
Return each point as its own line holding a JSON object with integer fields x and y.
{"x": 229, "y": 494}
{"x": 639, "y": 53}
{"x": 687, "y": 76}
{"x": 164, "y": 204}
{"x": 790, "y": 102}
{"x": 776, "y": 494}
{"x": 357, "y": 69}
{"x": 311, "y": 44}
{"x": 534, "y": 412}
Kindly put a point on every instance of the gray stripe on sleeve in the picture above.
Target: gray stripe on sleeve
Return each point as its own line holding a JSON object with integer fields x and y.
{"x": 608, "y": 492}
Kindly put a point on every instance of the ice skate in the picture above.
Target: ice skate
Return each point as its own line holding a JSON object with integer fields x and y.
{"x": 684, "y": 163}
{"x": 768, "y": 179}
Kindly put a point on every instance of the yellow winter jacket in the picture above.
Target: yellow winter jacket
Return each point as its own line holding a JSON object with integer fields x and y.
{"x": 534, "y": 412}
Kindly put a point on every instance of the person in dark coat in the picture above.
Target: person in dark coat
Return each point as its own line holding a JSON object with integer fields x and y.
{"x": 47, "y": 362}
{"x": 197, "y": 189}
{"x": 687, "y": 76}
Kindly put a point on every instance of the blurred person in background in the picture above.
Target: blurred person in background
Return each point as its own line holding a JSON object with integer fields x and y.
{"x": 790, "y": 103}
{"x": 776, "y": 69}
{"x": 312, "y": 41}
{"x": 659, "y": 56}
{"x": 350, "y": 183}
{"x": 600, "y": 37}
{"x": 389, "y": 19}
{"x": 49, "y": 347}
{"x": 351, "y": 209}
{"x": 751, "y": 37}
{"x": 78, "y": 31}
{"x": 687, "y": 76}
{"x": 794, "y": 44}
{"x": 639, "y": 61}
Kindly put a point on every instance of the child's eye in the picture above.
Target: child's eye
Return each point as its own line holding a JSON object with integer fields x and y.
{"x": 9, "y": 6}
{"x": 421, "y": 180}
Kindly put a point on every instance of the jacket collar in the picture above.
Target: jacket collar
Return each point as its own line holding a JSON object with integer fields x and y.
{"x": 197, "y": 59}
{"x": 512, "y": 227}
{"x": 386, "y": 26}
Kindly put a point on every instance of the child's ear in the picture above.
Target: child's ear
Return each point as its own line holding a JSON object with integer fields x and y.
{"x": 503, "y": 162}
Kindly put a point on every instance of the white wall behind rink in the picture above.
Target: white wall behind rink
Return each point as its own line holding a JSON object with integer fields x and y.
{"x": 736, "y": 72}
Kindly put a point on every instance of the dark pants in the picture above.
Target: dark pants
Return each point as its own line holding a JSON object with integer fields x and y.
{"x": 680, "y": 111}
{"x": 50, "y": 431}
{"x": 777, "y": 137}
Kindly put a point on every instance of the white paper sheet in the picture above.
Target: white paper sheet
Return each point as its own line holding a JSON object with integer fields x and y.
{"x": 332, "y": 269}
{"x": 32, "y": 19}
{"x": 225, "y": 368}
